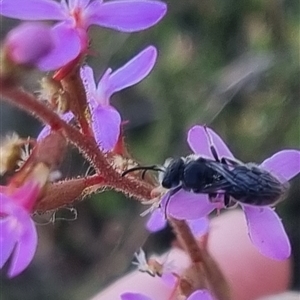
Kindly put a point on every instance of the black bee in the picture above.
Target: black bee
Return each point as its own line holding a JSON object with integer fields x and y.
{"x": 237, "y": 181}
{"x": 249, "y": 183}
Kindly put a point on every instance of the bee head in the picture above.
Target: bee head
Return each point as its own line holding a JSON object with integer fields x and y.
{"x": 173, "y": 173}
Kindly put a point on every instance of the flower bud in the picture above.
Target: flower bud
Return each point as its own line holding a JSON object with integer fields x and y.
{"x": 51, "y": 150}
{"x": 28, "y": 43}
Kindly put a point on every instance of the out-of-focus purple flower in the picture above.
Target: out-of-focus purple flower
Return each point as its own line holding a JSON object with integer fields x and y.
{"x": 76, "y": 16}
{"x": 106, "y": 120}
{"x": 201, "y": 295}
{"x": 134, "y": 296}
{"x": 197, "y": 295}
{"x": 265, "y": 228}
{"x": 18, "y": 236}
{"x": 157, "y": 222}
{"x": 21, "y": 43}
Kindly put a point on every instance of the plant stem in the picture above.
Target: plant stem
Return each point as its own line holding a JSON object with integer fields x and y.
{"x": 86, "y": 144}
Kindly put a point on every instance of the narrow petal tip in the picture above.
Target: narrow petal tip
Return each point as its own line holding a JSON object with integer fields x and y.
{"x": 284, "y": 164}
{"x": 267, "y": 233}
{"x": 133, "y": 71}
{"x": 128, "y": 15}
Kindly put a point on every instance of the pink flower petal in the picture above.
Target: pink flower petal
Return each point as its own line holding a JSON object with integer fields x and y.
{"x": 185, "y": 205}
{"x": 134, "y": 71}
{"x": 21, "y": 43}
{"x": 87, "y": 76}
{"x": 267, "y": 232}
{"x": 284, "y": 164}
{"x": 78, "y": 3}
{"x": 44, "y": 132}
{"x": 32, "y": 9}
{"x": 104, "y": 89}
{"x": 106, "y": 122}
{"x": 200, "y": 295}
{"x": 8, "y": 239}
{"x": 26, "y": 245}
{"x": 200, "y": 144}
{"x": 126, "y": 15}
{"x": 169, "y": 279}
{"x": 67, "y": 47}
{"x": 221, "y": 147}
{"x": 67, "y": 117}
{"x": 25, "y": 196}
{"x": 134, "y": 296}
{"x": 157, "y": 221}
{"x": 199, "y": 226}
{"x": 5, "y": 203}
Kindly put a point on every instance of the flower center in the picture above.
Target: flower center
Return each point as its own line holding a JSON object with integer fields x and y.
{"x": 76, "y": 14}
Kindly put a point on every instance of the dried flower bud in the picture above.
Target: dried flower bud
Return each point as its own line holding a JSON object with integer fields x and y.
{"x": 10, "y": 153}
{"x": 152, "y": 266}
{"x": 53, "y": 92}
{"x": 51, "y": 150}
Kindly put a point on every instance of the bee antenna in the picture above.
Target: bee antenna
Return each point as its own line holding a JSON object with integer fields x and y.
{"x": 145, "y": 169}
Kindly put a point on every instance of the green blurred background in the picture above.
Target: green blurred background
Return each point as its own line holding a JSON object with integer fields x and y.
{"x": 233, "y": 65}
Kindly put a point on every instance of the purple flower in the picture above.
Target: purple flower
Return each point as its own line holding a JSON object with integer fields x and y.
{"x": 264, "y": 226}
{"x": 197, "y": 295}
{"x": 76, "y": 16}
{"x": 18, "y": 236}
{"x": 106, "y": 120}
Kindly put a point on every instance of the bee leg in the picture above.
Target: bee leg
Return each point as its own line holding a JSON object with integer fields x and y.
{"x": 229, "y": 161}
{"x": 216, "y": 197}
{"x": 226, "y": 200}
{"x": 229, "y": 203}
{"x": 213, "y": 150}
{"x": 212, "y": 196}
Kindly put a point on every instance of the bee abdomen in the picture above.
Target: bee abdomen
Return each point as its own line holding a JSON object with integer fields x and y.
{"x": 254, "y": 186}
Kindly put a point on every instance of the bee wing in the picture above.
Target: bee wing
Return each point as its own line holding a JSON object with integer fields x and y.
{"x": 251, "y": 184}
{"x": 224, "y": 183}
{"x": 225, "y": 171}
{"x": 216, "y": 187}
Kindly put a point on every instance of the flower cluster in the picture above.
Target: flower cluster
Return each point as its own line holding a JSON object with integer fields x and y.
{"x": 106, "y": 120}
{"x": 61, "y": 47}
{"x": 18, "y": 232}
{"x": 70, "y": 34}
{"x": 265, "y": 228}
{"x": 77, "y": 110}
